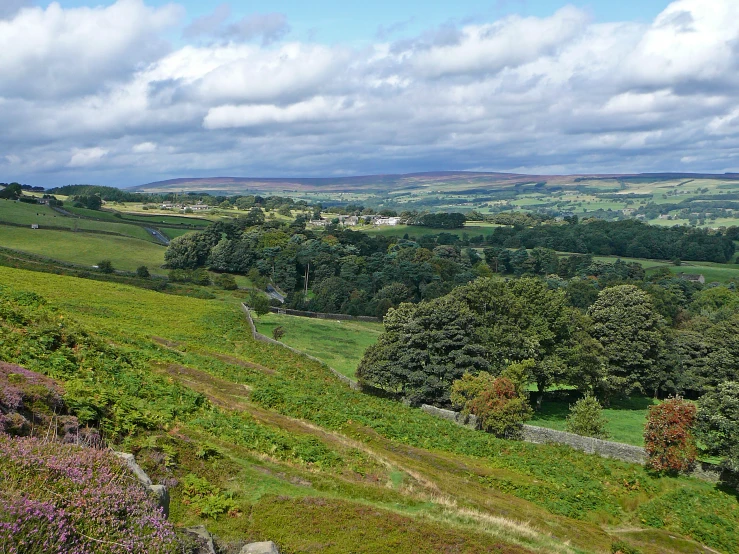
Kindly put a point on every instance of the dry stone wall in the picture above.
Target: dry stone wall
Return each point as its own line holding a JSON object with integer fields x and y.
{"x": 319, "y": 315}
{"x": 263, "y": 338}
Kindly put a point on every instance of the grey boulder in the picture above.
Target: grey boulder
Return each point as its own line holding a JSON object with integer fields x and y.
{"x": 267, "y": 547}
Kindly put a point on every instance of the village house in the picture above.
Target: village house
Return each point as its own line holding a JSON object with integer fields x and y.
{"x": 693, "y": 277}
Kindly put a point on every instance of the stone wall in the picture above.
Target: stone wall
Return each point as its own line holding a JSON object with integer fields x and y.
{"x": 263, "y": 338}
{"x": 319, "y": 315}
{"x": 607, "y": 449}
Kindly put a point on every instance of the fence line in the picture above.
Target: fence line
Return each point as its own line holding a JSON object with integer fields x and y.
{"x": 319, "y": 315}
{"x": 264, "y": 338}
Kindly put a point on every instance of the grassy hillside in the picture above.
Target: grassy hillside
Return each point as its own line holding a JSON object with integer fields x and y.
{"x": 85, "y": 248}
{"x": 296, "y": 457}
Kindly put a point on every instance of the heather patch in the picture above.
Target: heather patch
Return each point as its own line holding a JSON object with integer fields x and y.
{"x": 66, "y": 498}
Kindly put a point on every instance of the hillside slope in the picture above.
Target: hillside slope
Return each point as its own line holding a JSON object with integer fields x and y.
{"x": 261, "y": 443}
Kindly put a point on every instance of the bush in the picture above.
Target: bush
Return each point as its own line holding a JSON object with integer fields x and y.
{"x": 206, "y": 499}
{"x": 143, "y": 272}
{"x": 106, "y": 266}
{"x": 278, "y": 332}
{"x": 495, "y": 402}
{"x": 258, "y": 302}
{"x": 586, "y": 418}
{"x": 226, "y": 281}
{"x": 668, "y": 439}
{"x": 64, "y": 498}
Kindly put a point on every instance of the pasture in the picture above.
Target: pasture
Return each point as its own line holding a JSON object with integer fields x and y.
{"x": 85, "y": 248}
{"x": 340, "y": 344}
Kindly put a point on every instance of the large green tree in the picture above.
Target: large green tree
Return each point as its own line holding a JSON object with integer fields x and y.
{"x": 718, "y": 422}
{"x": 424, "y": 349}
{"x": 632, "y": 334}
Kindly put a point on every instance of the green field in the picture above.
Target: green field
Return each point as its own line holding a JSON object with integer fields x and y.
{"x": 314, "y": 465}
{"x": 20, "y": 213}
{"x": 340, "y": 344}
{"x": 85, "y": 248}
{"x": 626, "y": 417}
{"x": 470, "y": 229}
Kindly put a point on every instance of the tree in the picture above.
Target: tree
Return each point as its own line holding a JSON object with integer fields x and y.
{"x": 632, "y": 335}
{"x": 258, "y": 302}
{"x": 11, "y": 191}
{"x": 143, "y": 272}
{"x": 106, "y": 266}
{"x": 668, "y": 438}
{"x": 226, "y": 281}
{"x": 586, "y": 418}
{"x": 188, "y": 251}
{"x": 424, "y": 349}
{"x": 496, "y": 403}
{"x": 718, "y": 422}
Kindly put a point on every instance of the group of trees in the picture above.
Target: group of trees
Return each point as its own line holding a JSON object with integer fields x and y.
{"x": 344, "y": 271}
{"x": 628, "y": 238}
{"x": 471, "y": 348}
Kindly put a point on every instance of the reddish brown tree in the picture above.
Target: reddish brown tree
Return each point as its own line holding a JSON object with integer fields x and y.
{"x": 668, "y": 437}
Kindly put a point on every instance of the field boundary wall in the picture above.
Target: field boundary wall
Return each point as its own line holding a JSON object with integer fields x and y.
{"x": 264, "y": 338}
{"x": 607, "y": 449}
{"x": 319, "y": 315}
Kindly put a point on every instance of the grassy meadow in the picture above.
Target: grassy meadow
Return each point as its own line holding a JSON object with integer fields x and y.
{"x": 307, "y": 462}
{"x": 85, "y": 248}
{"x": 341, "y": 344}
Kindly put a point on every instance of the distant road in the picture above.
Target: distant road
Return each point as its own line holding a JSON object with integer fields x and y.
{"x": 158, "y": 235}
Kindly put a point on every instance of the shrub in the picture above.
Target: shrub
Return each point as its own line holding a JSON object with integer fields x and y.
{"x": 65, "y": 498}
{"x": 226, "y": 281}
{"x": 278, "y": 332}
{"x": 106, "y": 266}
{"x": 586, "y": 418}
{"x": 668, "y": 439}
{"x": 495, "y": 402}
{"x": 258, "y": 302}
{"x": 207, "y": 500}
{"x": 143, "y": 272}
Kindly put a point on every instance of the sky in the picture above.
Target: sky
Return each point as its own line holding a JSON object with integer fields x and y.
{"x": 133, "y": 91}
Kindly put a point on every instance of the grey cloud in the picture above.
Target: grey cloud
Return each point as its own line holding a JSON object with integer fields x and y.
{"x": 573, "y": 102}
{"x": 8, "y": 8}
{"x": 208, "y": 24}
{"x": 269, "y": 27}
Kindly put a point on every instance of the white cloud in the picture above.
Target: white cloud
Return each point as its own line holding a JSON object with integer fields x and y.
{"x": 552, "y": 94}
{"x": 144, "y": 148}
{"x": 84, "y": 157}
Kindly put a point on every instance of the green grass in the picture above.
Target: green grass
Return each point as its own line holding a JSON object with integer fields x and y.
{"x": 318, "y": 466}
{"x": 340, "y": 344}
{"x": 416, "y": 231}
{"x": 20, "y": 213}
{"x": 626, "y": 417}
{"x": 85, "y": 248}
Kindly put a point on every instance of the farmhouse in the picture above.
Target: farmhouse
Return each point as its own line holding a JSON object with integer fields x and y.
{"x": 387, "y": 221}
{"x": 693, "y": 277}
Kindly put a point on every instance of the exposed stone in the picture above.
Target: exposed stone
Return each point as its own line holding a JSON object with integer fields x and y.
{"x": 204, "y": 539}
{"x": 161, "y": 494}
{"x": 260, "y": 548}
{"x": 134, "y": 467}
{"x": 468, "y": 421}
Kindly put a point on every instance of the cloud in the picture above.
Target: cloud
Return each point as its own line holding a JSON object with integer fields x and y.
{"x": 266, "y": 27}
{"x": 54, "y": 52}
{"x": 83, "y": 157}
{"x": 538, "y": 94}
{"x": 144, "y": 148}
{"x": 208, "y": 24}
{"x": 9, "y": 8}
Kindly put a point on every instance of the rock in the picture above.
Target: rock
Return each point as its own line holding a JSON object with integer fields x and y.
{"x": 161, "y": 493}
{"x": 204, "y": 538}
{"x": 260, "y": 548}
{"x": 134, "y": 467}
